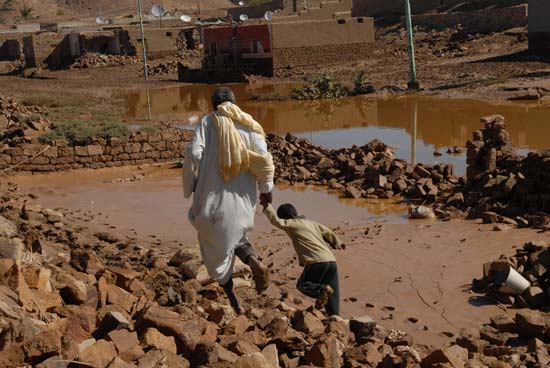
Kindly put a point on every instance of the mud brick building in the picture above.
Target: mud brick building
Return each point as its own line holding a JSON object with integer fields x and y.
{"x": 539, "y": 26}
{"x": 57, "y": 50}
{"x": 278, "y": 48}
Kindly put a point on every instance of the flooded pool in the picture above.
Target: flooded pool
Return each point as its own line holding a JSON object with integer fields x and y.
{"x": 416, "y": 126}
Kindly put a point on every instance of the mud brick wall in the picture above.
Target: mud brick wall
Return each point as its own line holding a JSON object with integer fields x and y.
{"x": 139, "y": 149}
{"x": 320, "y": 43}
{"x": 303, "y": 57}
{"x": 482, "y": 21}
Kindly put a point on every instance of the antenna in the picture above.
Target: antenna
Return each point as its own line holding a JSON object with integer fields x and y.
{"x": 268, "y": 16}
{"x": 158, "y": 11}
{"x": 185, "y": 18}
{"x": 243, "y": 17}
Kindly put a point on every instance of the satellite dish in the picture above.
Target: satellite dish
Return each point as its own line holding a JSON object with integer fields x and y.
{"x": 268, "y": 16}
{"x": 242, "y": 3}
{"x": 243, "y": 17}
{"x": 158, "y": 11}
{"x": 101, "y": 20}
{"x": 185, "y": 18}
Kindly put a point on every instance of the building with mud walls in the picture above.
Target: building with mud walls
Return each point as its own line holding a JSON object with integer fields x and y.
{"x": 314, "y": 44}
{"x": 280, "y": 48}
{"x": 539, "y": 26}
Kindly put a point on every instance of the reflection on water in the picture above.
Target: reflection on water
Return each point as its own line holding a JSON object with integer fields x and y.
{"x": 440, "y": 123}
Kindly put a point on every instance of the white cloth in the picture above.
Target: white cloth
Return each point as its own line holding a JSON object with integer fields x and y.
{"x": 223, "y": 213}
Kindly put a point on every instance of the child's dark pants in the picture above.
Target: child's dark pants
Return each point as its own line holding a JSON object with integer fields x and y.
{"x": 314, "y": 277}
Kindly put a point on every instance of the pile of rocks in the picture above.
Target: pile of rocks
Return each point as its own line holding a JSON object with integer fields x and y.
{"x": 70, "y": 297}
{"x": 163, "y": 68}
{"x": 502, "y": 186}
{"x": 97, "y": 60}
{"x": 518, "y": 341}
{"x": 370, "y": 171}
{"x": 21, "y": 124}
{"x": 532, "y": 261}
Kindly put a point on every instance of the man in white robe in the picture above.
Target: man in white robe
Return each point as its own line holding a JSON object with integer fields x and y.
{"x": 224, "y": 202}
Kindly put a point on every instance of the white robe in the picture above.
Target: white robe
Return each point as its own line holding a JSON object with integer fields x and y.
{"x": 223, "y": 213}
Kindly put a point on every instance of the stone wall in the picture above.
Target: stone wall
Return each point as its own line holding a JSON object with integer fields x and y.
{"x": 327, "y": 42}
{"x": 139, "y": 149}
{"x": 482, "y": 21}
{"x": 286, "y": 59}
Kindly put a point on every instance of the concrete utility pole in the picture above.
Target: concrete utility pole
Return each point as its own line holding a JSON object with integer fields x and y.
{"x": 145, "y": 71}
{"x": 413, "y": 83}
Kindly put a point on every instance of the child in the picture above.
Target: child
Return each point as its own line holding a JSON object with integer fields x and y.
{"x": 320, "y": 276}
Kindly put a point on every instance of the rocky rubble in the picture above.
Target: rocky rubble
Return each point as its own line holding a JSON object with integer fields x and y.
{"x": 21, "y": 124}
{"x": 96, "y": 60}
{"x": 72, "y": 297}
{"x": 502, "y": 186}
{"x": 532, "y": 261}
{"x": 370, "y": 171}
{"x": 163, "y": 68}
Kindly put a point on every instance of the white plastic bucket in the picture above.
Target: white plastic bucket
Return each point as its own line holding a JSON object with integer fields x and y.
{"x": 512, "y": 282}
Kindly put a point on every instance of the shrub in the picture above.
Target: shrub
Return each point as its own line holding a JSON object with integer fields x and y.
{"x": 79, "y": 133}
{"x": 40, "y": 99}
{"x": 320, "y": 87}
{"x": 113, "y": 129}
{"x": 26, "y": 11}
{"x": 361, "y": 86}
{"x": 148, "y": 129}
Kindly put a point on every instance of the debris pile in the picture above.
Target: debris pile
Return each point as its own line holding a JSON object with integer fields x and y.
{"x": 162, "y": 68}
{"x": 370, "y": 171}
{"x": 21, "y": 124}
{"x": 521, "y": 280}
{"x": 188, "y": 44}
{"x": 502, "y": 186}
{"x": 97, "y": 60}
{"x": 69, "y": 295}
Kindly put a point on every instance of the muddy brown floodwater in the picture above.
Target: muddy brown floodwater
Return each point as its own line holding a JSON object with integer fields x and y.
{"x": 407, "y": 270}
{"x": 439, "y": 123}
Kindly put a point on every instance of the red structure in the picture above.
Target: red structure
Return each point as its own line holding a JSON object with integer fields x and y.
{"x": 247, "y": 47}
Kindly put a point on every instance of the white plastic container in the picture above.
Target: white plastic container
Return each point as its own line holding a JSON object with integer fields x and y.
{"x": 512, "y": 282}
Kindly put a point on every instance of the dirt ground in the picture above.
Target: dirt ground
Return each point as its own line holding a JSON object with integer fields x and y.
{"x": 409, "y": 275}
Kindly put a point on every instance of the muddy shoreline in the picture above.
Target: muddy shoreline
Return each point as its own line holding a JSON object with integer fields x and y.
{"x": 384, "y": 264}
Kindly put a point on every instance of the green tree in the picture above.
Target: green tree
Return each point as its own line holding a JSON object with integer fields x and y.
{"x": 26, "y": 11}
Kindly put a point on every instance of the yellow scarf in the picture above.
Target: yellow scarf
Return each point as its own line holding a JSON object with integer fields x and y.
{"x": 233, "y": 157}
